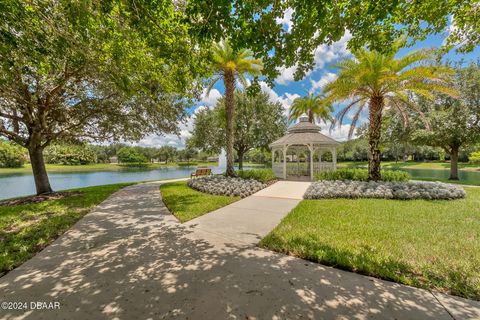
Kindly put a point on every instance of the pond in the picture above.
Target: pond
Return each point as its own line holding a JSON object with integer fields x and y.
{"x": 466, "y": 176}
{"x": 17, "y": 185}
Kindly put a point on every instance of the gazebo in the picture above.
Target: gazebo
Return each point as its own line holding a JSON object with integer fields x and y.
{"x": 303, "y": 151}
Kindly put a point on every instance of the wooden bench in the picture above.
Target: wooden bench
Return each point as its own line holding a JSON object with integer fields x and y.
{"x": 201, "y": 172}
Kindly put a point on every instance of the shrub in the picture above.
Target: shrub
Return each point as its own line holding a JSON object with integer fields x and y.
{"x": 186, "y": 163}
{"x": 70, "y": 154}
{"x": 384, "y": 190}
{"x": 361, "y": 175}
{"x": 262, "y": 175}
{"x": 474, "y": 157}
{"x": 11, "y": 155}
{"x": 226, "y": 186}
{"x": 130, "y": 155}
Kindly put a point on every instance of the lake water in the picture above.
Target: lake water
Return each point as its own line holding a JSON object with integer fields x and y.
{"x": 17, "y": 185}
{"x": 466, "y": 176}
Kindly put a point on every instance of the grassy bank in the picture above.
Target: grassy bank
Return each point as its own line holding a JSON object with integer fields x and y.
{"x": 429, "y": 244}
{"x": 186, "y": 203}
{"x": 28, "y": 228}
{"x": 437, "y": 165}
{"x": 56, "y": 168}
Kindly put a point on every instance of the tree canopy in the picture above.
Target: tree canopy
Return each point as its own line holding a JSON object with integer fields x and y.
{"x": 85, "y": 70}
{"x": 258, "y": 123}
{"x": 259, "y": 25}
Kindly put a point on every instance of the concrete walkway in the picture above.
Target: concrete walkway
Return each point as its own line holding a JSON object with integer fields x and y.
{"x": 131, "y": 259}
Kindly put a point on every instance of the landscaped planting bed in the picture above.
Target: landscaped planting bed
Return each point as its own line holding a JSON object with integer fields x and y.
{"x": 226, "y": 186}
{"x": 384, "y": 190}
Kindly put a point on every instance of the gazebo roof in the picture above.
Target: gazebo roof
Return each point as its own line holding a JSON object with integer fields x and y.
{"x": 304, "y": 133}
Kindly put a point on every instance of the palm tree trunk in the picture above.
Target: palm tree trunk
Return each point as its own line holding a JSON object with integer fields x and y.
{"x": 454, "y": 163}
{"x": 374, "y": 133}
{"x": 229, "y": 81}
{"x": 310, "y": 116}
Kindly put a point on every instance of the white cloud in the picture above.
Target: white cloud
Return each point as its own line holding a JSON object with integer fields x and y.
{"x": 327, "y": 53}
{"x": 286, "y": 75}
{"x": 286, "y": 99}
{"x": 326, "y": 78}
{"x": 211, "y": 98}
{"x": 323, "y": 55}
{"x": 286, "y": 19}
{"x": 339, "y": 133}
{"x": 173, "y": 140}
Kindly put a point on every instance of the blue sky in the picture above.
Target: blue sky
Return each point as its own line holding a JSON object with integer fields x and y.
{"x": 286, "y": 89}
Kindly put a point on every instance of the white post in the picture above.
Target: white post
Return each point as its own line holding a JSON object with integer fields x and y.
{"x": 310, "y": 148}
{"x": 334, "y": 158}
{"x": 285, "y": 162}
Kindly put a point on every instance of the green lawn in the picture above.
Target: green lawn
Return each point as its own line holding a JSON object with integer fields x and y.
{"x": 429, "y": 244}
{"x": 412, "y": 165}
{"x": 186, "y": 203}
{"x": 26, "y": 229}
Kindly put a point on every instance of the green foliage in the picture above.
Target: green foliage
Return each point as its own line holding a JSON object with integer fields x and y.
{"x": 11, "y": 155}
{"x": 27, "y": 229}
{"x": 130, "y": 155}
{"x": 186, "y": 164}
{"x": 474, "y": 157}
{"x": 70, "y": 154}
{"x": 258, "y": 122}
{"x": 394, "y": 240}
{"x": 363, "y": 23}
{"x": 361, "y": 175}
{"x": 186, "y": 203}
{"x": 313, "y": 106}
{"x": 262, "y": 175}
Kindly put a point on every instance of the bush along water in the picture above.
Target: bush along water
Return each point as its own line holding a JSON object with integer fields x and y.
{"x": 262, "y": 175}
{"x": 384, "y": 190}
{"x": 361, "y": 175}
{"x": 226, "y": 186}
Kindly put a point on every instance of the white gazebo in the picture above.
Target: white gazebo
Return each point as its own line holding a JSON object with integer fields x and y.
{"x": 303, "y": 151}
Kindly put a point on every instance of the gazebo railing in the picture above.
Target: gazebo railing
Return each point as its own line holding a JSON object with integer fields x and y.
{"x": 322, "y": 166}
{"x": 277, "y": 168}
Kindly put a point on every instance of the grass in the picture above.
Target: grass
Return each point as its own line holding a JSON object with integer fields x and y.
{"x": 437, "y": 165}
{"x": 186, "y": 203}
{"x": 428, "y": 244}
{"x": 27, "y": 229}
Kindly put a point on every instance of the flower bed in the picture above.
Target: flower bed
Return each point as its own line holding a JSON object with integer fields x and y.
{"x": 384, "y": 190}
{"x": 226, "y": 186}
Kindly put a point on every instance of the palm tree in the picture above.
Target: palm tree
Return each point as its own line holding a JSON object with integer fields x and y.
{"x": 313, "y": 106}
{"x": 228, "y": 66}
{"x": 380, "y": 81}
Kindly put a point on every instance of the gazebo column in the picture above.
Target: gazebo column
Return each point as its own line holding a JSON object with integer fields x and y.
{"x": 334, "y": 158}
{"x": 310, "y": 148}
{"x": 285, "y": 162}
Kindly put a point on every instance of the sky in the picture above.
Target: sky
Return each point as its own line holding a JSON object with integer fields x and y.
{"x": 285, "y": 89}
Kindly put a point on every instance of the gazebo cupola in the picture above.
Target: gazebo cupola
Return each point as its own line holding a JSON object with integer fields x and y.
{"x": 298, "y": 154}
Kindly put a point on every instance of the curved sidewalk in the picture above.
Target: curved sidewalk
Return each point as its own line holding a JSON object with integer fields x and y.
{"x": 131, "y": 259}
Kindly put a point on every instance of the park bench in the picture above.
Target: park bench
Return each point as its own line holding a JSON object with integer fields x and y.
{"x": 201, "y": 172}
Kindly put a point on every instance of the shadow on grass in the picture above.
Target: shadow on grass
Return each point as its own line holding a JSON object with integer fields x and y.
{"x": 365, "y": 262}
{"x": 131, "y": 259}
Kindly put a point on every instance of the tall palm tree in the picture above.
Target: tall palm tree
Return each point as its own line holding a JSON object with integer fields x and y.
{"x": 229, "y": 65}
{"x": 313, "y": 106}
{"x": 380, "y": 81}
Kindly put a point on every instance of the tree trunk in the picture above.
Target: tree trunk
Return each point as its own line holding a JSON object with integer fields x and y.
{"x": 229, "y": 81}
{"x": 240, "y": 154}
{"x": 310, "y": 116}
{"x": 454, "y": 163}
{"x": 374, "y": 133}
{"x": 40, "y": 175}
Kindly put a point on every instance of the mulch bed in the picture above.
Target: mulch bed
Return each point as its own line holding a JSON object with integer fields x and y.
{"x": 39, "y": 198}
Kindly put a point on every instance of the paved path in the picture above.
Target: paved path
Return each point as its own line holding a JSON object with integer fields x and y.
{"x": 131, "y": 259}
